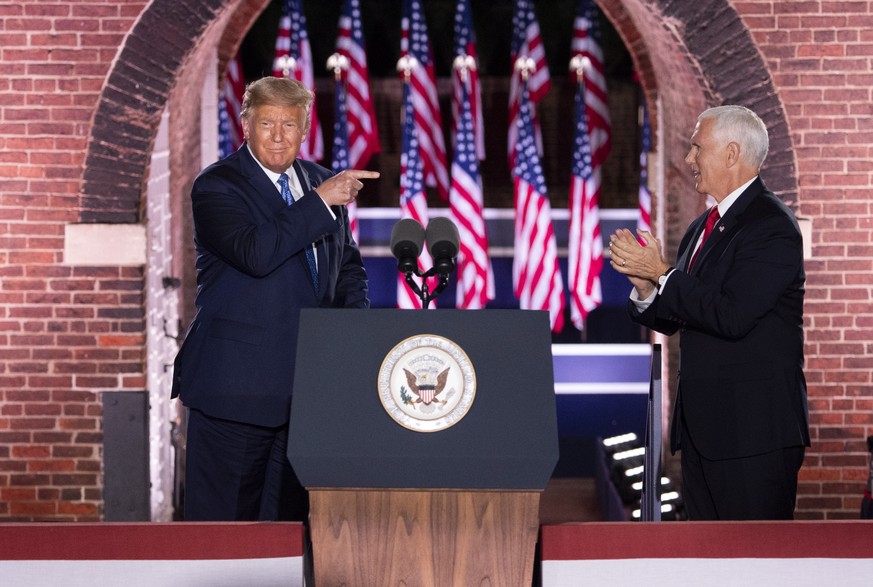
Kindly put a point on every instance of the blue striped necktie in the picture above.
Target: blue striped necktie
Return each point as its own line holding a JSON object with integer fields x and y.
{"x": 310, "y": 254}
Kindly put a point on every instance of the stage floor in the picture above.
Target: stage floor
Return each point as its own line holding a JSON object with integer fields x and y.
{"x": 569, "y": 499}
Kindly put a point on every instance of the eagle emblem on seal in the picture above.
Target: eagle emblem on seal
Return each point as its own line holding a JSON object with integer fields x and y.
{"x": 427, "y": 386}
{"x": 427, "y": 383}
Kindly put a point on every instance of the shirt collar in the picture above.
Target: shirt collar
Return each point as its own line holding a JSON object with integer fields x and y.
{"x": 725, "y": 204}
{"x": 293, "y": 183}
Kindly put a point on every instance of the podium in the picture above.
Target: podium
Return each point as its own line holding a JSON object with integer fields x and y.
{"x": 425, "y": 439}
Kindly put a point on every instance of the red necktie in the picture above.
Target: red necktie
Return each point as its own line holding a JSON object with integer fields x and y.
{"x": 711, "y": 219}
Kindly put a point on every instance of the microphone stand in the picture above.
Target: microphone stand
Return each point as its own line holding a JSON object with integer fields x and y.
{"x": 422, "y": 291}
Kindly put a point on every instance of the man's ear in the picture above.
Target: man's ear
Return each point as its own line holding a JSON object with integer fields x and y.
{"x": 733, "y": 153}
{"x": 244, "y": 122}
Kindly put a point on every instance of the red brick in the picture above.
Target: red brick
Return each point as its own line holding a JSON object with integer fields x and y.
{"x": 78, "y": 509}
{"x": 9, "y": 494}
{"x": 815, "y": 82}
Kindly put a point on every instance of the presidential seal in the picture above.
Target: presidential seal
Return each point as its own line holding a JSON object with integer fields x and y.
{"x": 427, "y": 383}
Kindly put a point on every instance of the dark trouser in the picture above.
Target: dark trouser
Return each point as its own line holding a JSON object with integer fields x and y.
{"x": 237, "y": 471}
{"x": 759, "y": 487}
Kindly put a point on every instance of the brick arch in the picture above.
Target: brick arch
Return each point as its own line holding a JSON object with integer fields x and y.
{"x": 149, "y": 65}
{"x": 691, "y": 55}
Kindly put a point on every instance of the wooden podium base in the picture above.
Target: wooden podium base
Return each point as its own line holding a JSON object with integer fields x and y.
{"x": 438, "y": 538}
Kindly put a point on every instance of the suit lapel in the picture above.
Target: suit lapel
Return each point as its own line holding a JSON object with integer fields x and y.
{"x": 259, "y": 181}
{"x": 320, "y": 247}
{"x": 695, "y": 229}
{"x": 729, "y": 222}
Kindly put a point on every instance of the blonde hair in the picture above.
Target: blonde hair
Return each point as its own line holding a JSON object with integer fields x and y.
{"x": 277, "y": 91}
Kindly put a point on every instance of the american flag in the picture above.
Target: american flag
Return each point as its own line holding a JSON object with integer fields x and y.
{"x": 230, "y": 133}
{"x": 413, "y": 201}
{"x": 475, "y": 284}
{"x": 536, "y": 274}
{"x": 362, "y": 134}
{"x": 293, "y": 42}
{"x": 526, "y": 42}
{"x": 586, "y": 42}
{"x": 644, "y": 222}
{"x": 465, "y": 49}
{"x": 340, "y": 159}
{"x": 414, "y": 43}
{"x": 585, "y": 248}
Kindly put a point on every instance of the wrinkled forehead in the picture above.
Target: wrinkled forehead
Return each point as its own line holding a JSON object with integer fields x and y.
{"x": 278, "y": 112}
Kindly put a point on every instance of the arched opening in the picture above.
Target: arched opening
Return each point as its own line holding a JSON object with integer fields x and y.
{"x": 688, "y": 56}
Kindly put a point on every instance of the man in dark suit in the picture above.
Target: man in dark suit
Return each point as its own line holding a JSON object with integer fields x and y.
{"x": 736, "y": 297}
{"x": 261, "y": 257}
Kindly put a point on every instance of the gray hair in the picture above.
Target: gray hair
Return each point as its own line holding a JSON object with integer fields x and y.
{"x": 277, "y": 91}
{"x": 740, "y": 125}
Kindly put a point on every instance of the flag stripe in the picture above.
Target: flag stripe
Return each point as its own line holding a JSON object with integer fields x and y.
{"x": 536, "y": 275}
{"x": 363, "y": 135}
{"x": 230, "y": 133}
{"x": 413, "y": 202}
{"x": 591, "y": 140}
{"x": 415, "y": 43}
{"x": 644, "y": 221}
{"x": 586, "y": 41}
{"x": 526, "y": 42}
{"x": 293, "y": 41}
{"x": 465, "y": 45}
{"x": 340, "y": 158}
{"x": 475, "y": 276}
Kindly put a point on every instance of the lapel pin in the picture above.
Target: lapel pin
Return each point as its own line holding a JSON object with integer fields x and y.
{"x": 721, "y": 228}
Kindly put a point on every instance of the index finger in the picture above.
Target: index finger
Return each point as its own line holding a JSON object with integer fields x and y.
{"x": 646, "y": 236}
{"x": 623, "y": 235}
{"x": 362, "y": 173}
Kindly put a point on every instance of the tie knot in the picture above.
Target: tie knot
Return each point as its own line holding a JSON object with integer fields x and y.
{"x": 711, "y": 220}
{"x": 283, "y": 179}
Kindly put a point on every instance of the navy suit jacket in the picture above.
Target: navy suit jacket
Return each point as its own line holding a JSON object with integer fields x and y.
{"x": 237, "y": 361}
{"x": 740, "y": 313}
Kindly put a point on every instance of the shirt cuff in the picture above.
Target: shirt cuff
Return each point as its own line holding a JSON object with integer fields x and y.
{"x": 664, "y": 282}
{"x": 642, "y": 304}
{"x": 332, "y": 215}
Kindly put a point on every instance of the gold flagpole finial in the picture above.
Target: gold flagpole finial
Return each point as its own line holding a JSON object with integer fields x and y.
{"x": 464, "y": 64}
{"x": 405, "y": 65}
{"x": 579, "y": 64}
{"x": 287, "y": 64}
{"x": 338, "y": 63}
{"x": 525, "y": 65}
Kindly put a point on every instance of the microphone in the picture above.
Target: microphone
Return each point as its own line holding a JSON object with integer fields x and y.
{"x": 443, "y": 243}
{"x": 407, "y": 238}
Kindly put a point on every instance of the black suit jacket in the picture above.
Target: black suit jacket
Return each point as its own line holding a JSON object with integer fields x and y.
{"x": 237, "y": 361}
{"x": 740, "y": 314}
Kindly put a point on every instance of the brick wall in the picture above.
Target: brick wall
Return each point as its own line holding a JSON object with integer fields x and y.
{"x": 806, "y": 68}
{"x": 820, "y": 56}
{"x": 82, "y": 87}
{"x": 67, "y": 333}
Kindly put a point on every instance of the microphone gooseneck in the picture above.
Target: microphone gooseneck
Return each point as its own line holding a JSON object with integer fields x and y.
{"x": 443, "y": 244}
